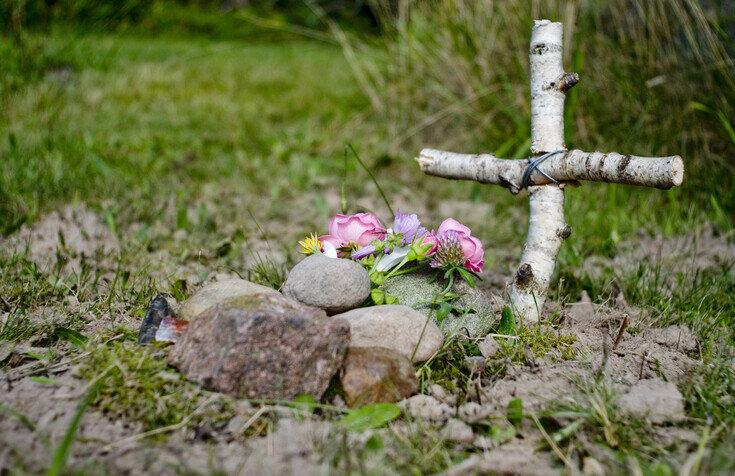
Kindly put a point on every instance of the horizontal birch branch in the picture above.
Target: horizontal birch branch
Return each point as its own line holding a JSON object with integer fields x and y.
{"x": 574, "y": 165}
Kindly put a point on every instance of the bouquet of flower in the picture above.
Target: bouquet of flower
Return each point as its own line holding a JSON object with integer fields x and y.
{"x": 404, "y": 248}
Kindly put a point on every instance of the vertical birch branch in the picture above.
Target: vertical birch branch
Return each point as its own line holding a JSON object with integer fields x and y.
{"x": 546, "y": 226}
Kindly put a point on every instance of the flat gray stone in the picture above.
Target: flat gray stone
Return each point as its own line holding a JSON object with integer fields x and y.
{"x": 489, "y": 347}
{"x": 221, "y": 292}
{"x": 335, "y": 285}
{"x": 396, "y": 327}
{"x": 416, "y": 290}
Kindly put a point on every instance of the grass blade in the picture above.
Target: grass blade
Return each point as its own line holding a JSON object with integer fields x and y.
{"x": 61, "y": 454}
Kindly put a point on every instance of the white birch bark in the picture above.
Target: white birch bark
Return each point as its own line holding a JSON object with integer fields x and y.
{"x": 546, "y": 227}
{"x": 574, "y": 165}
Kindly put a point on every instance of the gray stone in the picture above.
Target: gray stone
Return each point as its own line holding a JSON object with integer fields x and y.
{"x": 396, "y": 327}
{"x": 426, "y": 408}
{"x": 489, "y": 347}
{"x": 268, "y": 346}
{"x": 157, "y": 310}
{"x": 221, "y": 292}
{"x": 335, "y": 285}
{"x": 459, "y": 431}
{"x": 377, "y": 375}
{"x": 654, "y": 399}
{"x": 592, "y": 467}
{"x": 417, "y": 290}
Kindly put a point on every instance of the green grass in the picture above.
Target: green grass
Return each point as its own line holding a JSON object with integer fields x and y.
{"x": 137, "y": 386}
{"x": 153, "y": 121}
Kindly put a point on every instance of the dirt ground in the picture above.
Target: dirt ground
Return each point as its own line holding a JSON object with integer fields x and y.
{"x": 642, "y": 365}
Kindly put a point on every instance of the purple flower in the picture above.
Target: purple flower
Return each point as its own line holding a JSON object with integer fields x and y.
{"x": 448, "y": 251}
{"x": 363, "y": 252}
{"x": 409, "y": 226}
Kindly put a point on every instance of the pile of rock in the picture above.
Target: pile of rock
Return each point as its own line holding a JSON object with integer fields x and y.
{"x": 251, "y": 341}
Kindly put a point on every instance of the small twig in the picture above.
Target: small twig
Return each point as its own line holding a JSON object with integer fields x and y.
{"x": 5, "y": 304}
{"x": 605, "y": 350}
{"x": 252, "y": 419}
{"x": 502, "y": 336}
{"x": 530, "y": 358}
{"x": 621, "y": 331}
{"x": 643, "y": 362}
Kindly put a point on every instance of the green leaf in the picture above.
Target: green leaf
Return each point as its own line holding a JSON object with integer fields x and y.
{"x": 71, "y": 336}
{"x": 370, "y": 416}
{"x": 507, "y": 325}
{"x": 501, "y": 433}
{"x": 514, "y": 411}
{"x": 377, "y": 278}
{"x": 567, "y": 431}
{"x": 374, "y": 443}
{"x": 467, "y": 277}
{"x": 443, "y": 311}
{"x": 391, "y": 300}
{"x": 305, "y": 403}
{"x": 47, "y": 381}
{"x": 378, "y": 296}
{"x": 182, "y": 219}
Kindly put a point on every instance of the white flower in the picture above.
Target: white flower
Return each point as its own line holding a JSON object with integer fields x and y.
{"x": 386, "y": 262}
{"x": 329, "y": 250}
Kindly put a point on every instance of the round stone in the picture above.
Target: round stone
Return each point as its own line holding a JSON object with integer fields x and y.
{"x": 333, "y": 284}
{"x": 377, "y": 375}
{"x": 276, "y": 349}
{"x": 396, "y": 327}
{"x": 420, "y": 288}
{"x": 221, "y": 292}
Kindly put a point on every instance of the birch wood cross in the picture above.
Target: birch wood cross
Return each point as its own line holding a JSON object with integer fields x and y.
{"x": 546, "y": 227}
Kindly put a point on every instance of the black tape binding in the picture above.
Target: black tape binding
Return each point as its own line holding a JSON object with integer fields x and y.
{"x": 533, "y": 165}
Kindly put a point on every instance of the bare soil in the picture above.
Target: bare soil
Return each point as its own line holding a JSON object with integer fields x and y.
{"x": 41, "y": 412}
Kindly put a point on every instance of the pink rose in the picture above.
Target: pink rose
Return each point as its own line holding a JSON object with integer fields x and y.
{"x": 471, "y": 246}
{"x": 353, "y": 231}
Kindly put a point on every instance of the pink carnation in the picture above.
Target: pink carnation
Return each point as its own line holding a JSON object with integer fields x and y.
{"x": 353, "y": 231}
{"x": 471, "y": 246}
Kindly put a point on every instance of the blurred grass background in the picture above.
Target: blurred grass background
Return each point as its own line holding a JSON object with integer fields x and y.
{"x": 141, "y": 108}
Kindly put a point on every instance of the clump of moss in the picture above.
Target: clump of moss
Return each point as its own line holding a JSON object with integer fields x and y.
{"x": 450, "y": 369}
{"x": 543, "y": 341}
{"x": 136, "y": 385}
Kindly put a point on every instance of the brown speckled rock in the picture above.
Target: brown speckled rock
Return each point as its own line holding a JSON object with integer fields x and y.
{"x": 377, "y": 375}
{"x": 265, "y": 346}
{"x": 221, "y": 292}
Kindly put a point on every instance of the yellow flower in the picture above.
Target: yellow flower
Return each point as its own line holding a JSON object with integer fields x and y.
{"x": 311, "y": 245}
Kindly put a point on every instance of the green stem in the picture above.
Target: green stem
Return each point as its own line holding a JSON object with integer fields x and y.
{"x": 450, "y": 283}
{"x": 395, "y": 270}
{"x": 409, "y": 270}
